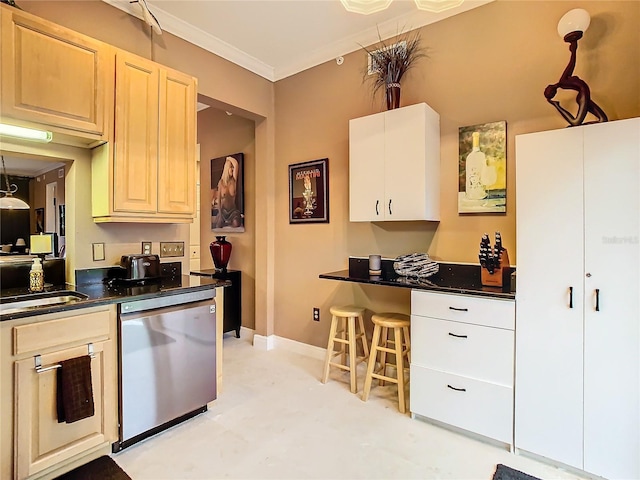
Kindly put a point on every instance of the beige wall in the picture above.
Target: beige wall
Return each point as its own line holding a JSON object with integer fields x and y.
{"x": 488, "y": 64}
{"x": 220, "y": 134}
{"x": 228, "y": 85}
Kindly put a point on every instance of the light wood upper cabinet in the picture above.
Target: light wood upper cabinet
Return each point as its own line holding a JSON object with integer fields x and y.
{"x": 135, "y": 163}
{"x": 33, "y": 443}
{"x": 176, "y": 151}
{"x": 52, "y": 75}
{"x": 151, "y": 170}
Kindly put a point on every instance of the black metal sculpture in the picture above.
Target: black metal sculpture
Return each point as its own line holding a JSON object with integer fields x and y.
{"x": 568, "y": 81}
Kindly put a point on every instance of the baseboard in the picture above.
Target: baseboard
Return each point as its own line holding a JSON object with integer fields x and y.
{"x": 273, "y": 341}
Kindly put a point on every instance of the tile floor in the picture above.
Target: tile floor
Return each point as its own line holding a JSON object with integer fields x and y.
{"x": 275, "y": 420}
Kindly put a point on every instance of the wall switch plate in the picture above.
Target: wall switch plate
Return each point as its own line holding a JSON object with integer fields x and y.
{"x": 172, "y": 249}
{"x": 98, "y": 252}
{"x": 146, "y": 248}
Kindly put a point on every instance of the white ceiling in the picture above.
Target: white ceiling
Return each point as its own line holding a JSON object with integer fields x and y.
{"x": 27, "y": 167}
{"x": 279, "y": 38}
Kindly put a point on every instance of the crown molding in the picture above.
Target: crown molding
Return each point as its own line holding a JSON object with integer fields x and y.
{"x": 191, "y": 34}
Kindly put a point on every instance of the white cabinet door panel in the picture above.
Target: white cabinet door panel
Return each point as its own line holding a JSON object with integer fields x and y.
{"x": 479, "y": 407}
{"x": 549, "y": 227}
{"x": 474, "y": 351}
{"x": 612, "y": 334}
{"x": 366, "y": 164}
{"x": 405, "y": 166}
{"x": 464, "y": 308}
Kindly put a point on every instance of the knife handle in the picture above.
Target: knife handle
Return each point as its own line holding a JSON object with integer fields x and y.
{"x": 570, "y": 297}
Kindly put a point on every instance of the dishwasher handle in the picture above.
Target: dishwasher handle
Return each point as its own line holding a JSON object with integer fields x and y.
{"x": 167, "y": 301}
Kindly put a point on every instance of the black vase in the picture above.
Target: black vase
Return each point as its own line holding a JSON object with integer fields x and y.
{"x": 393, "y": 95}
{"x": 220, "y": 252}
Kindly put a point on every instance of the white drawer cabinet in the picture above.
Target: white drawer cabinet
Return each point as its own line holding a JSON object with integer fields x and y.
{"x": 462, "y": 362}
{"x": 480, "y": 407}
{"x": 475, "y": 351}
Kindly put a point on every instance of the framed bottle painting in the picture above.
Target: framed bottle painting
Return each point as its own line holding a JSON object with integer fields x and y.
{"x": 309, "y": 192}
{"x": 482, "y": 163}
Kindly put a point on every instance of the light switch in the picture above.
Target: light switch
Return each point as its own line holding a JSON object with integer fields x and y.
{"x": 98, "y": 252}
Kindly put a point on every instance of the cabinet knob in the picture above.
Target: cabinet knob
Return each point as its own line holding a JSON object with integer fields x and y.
{"x": 588, "y": 275}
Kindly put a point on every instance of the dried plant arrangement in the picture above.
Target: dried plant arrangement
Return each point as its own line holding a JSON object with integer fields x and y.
{"x": 390, "y": 62}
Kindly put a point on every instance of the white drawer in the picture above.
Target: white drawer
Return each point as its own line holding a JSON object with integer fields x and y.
{"x": 464, "y": 308}
{"x": 483, "y": 353}
{"x": 479, "y": 407}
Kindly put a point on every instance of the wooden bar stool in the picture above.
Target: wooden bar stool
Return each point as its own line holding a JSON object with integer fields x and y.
{"x": 347, "y": 337}
{"x": 399, "y": 324}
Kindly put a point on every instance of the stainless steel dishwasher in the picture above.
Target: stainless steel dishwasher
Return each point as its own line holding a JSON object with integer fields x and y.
{"x": 167, "y": 362}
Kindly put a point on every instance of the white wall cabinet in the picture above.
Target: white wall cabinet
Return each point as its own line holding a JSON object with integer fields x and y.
{"x": 462, "y": 362}
{"x": 394, "y": 165}
{"x": 578, "y": 336}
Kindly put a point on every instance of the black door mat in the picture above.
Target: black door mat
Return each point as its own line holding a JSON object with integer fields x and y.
{"x": 507, "y": 473}
{"x": 102, "y": 468}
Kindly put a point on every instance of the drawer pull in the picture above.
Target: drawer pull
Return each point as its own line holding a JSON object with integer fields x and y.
{"x": 570, "y": 297}
{"x": 457, "y": 336}
{"x": 457, "y": 389}
{"x": 459, "y": 309}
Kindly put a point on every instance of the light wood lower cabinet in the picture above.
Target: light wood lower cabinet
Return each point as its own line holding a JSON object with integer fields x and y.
{"x": 34, "y": 444}
{"x": 462, "y": 362}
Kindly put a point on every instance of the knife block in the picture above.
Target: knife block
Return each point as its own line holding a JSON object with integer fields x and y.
{"x": 501, "y": 276}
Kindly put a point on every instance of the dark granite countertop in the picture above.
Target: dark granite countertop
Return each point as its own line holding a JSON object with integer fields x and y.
{"x": 103, "y": 294}
{"x": 451, "y": 278}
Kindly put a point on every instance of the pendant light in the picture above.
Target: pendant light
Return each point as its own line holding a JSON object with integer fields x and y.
{"x": 8, "y": 201}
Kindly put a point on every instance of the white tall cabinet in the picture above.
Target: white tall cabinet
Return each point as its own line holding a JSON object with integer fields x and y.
{"x": 577, "y": 309}
{"x": 394, "y": 165}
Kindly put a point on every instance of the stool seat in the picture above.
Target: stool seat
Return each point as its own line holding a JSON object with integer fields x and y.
{"x": 391, "y": 320}
{"x": 399, "y": 324}
{"x": 346, "y": 311}
{"x": 352, "y": 319}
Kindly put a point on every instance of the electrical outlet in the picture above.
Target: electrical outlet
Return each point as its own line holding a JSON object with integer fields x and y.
{"x": 146, "y": 248}
{"x": 316, "y": 314}
{"x": 172, "y": 249}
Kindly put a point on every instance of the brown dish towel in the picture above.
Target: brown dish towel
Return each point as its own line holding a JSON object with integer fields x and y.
{"x": 74, "y": 392}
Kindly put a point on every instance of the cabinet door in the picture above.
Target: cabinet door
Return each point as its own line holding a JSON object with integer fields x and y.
{"x": 366, "y": 168}
{"x": 135, "y": 175}
{"x": 405, "y": 170}
{"x": 41, "y": 442}
{"x": 612, "y": 333}
{"x": 177, "y": 143}
{"x": 549, "y": 228}
{"x": 72, "y": 92}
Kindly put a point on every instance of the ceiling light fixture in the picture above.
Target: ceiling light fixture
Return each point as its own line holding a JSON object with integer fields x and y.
{"x": 367, "y": 7}
{"x": 25, "y": 133}
{"x": 8, "y": 201}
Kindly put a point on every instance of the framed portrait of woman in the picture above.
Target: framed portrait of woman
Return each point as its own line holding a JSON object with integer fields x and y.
{"x": 227, "y": 193}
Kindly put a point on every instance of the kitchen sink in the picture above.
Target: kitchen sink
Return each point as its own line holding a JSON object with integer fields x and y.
{"x": 39, "y": 300}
